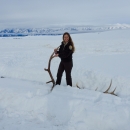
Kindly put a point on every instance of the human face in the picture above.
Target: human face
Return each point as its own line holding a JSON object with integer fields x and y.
{"x": 66, "y": 38}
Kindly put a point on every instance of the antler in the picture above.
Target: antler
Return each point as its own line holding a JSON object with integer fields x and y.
{"x": 109, "y": 88}
{"x": 49, "y": 71}
{"x": 106, "y": 90}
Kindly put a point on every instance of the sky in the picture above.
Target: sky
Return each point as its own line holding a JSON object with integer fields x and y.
{"x": 41, "y": 13}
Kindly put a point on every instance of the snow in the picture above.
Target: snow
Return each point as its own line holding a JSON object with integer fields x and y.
{"x": 27, "y": 103}
{"x": 59, "y": 30}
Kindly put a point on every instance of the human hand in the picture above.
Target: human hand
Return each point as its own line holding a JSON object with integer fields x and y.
{"x": 55, "y": 50}
{"x": 56, "y": 55}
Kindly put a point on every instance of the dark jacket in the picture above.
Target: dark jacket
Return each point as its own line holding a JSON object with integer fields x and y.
{"x": 65, "y": 52}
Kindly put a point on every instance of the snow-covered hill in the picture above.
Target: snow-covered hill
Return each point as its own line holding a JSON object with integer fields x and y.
{"x": 59, "y": 30}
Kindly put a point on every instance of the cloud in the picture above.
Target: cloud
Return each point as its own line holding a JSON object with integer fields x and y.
{"x": 32, "y": 13}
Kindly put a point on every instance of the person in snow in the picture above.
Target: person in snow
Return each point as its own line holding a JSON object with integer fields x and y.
{"x": 65, "y": 53}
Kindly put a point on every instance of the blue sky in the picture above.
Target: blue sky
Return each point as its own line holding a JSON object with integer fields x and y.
{"x": 41, "y": 13}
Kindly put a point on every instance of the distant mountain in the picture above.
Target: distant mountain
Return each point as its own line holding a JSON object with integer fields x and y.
{"x": 60, "y": 30}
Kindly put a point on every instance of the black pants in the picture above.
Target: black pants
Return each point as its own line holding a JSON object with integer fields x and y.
{"x": 67, "y": 66}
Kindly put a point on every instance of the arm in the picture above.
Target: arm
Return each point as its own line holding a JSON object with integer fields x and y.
{"x": 56, "y": 52}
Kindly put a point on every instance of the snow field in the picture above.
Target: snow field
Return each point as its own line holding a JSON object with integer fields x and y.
{"x": 27, "y": 103}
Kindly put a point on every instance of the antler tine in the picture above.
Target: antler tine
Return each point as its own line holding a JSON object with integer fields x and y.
{"x": 77, "y": 85}
{"x": 96, "y": 89}
{"x": 109, "y": 87}
{"x": 52, "y": 87}
{"x": 49, "y": 81}
{"x": 113, "y": 92}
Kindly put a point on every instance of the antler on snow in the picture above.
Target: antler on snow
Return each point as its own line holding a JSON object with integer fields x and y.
{"x": 109, "y": 88}
{"x": 104, "y": 91}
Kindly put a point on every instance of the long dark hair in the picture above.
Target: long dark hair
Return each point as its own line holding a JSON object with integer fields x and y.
{"x": 70, "y": 40}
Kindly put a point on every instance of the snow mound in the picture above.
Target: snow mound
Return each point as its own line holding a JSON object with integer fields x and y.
{"x": 31, "y": 104}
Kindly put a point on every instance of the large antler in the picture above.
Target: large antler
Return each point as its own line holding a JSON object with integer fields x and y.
{"x": 106, "y": 90}
{"x": 49, "y": 71}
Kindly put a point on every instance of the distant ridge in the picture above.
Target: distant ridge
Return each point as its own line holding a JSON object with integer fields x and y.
{"x": 60, "y": 30}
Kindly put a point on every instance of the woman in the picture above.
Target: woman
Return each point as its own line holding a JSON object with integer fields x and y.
{"x": 65, "y": 53}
